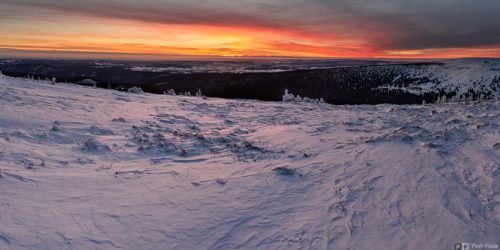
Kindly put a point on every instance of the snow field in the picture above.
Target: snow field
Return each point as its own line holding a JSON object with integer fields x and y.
{"x": 86, "y": 168}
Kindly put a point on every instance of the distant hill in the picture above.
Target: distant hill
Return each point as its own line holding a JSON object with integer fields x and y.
{"x": 337, "y": 82}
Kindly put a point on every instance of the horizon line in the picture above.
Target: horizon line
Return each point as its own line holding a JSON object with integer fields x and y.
{"x": 14, "y": 54}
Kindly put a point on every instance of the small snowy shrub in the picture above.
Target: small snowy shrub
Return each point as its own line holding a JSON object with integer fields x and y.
{"x": 136, "y": 90}
{"x": 187, "y": 93}
{"x": 289, "y": 97}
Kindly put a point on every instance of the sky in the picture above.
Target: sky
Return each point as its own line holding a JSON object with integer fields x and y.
{"x": 163, "y": 29}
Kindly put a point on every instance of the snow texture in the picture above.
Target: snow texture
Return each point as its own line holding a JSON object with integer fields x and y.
{"x": 87, "y": 168}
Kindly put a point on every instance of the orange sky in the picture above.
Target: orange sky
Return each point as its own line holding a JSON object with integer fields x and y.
{"x": 55, "y": 31}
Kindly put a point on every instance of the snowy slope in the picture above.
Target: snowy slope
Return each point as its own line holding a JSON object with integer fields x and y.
{"x": 458, "y": 79}
{"x": 87, "y": 168}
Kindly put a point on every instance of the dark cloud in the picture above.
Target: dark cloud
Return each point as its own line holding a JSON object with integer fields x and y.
{"x": 425, "y": 23}
{"x": 224, "y": 13}
{"x": 390, "y": 24}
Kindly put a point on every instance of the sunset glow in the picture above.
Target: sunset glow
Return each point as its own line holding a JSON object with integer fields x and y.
{"x": 159, "y": 29}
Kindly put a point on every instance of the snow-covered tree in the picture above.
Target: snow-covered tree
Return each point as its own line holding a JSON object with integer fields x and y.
{"x": 170, "y": 92}
{"x": 136, "y": 90}
{"x": 289, "y": 97}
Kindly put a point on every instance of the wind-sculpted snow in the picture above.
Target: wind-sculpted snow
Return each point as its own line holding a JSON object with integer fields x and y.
{"x": 85, "y": 168}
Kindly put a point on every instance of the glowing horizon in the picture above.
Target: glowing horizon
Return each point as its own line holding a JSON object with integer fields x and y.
{"x": 252, "y": 28}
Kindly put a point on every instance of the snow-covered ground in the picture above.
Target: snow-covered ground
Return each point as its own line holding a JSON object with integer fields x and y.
{"x": 87, "y": 168}
{"x": 460, "y": 79}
